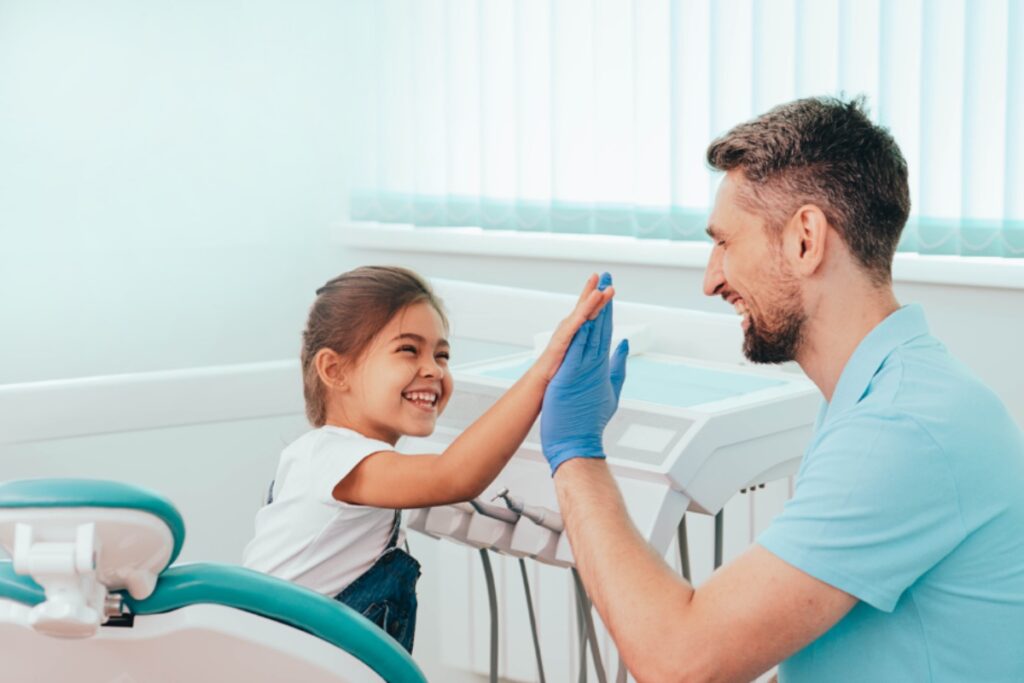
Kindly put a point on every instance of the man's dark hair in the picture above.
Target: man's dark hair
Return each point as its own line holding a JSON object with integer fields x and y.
{"x": 826, "y": 152}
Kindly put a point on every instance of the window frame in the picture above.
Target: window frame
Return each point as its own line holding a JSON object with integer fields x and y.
{"x": 973, "y": 271}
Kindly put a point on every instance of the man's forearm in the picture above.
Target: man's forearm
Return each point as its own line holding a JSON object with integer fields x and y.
{"x": 636, "y": 593}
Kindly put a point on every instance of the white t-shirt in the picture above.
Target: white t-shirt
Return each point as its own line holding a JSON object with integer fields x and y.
{"x": 307, "y": 536}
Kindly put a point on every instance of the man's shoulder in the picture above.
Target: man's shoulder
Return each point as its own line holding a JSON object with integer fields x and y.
{"x": 924, "y": 383}
{"x": 924, "y": 408}
{"x": 872, "y": 428}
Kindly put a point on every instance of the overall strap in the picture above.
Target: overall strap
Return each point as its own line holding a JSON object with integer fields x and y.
{"x": 395, "y": 529}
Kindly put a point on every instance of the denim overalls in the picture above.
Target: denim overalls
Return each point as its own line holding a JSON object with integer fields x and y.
{"x": 386, "y": 592}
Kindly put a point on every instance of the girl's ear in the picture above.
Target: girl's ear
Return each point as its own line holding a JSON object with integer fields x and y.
{"x": 331, "y": 369}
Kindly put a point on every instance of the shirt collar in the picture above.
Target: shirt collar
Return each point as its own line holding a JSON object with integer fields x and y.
{"x": 901, "y": 326}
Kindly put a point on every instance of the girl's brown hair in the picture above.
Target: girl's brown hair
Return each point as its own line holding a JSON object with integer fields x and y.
{"x": 348, "y": 312}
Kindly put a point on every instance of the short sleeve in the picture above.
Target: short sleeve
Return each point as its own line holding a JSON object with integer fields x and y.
{"x": 875, "y": 507}
{"x": 335, "y": 454}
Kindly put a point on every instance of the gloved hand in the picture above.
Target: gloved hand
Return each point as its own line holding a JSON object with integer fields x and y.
{"x": 583, "y": 395}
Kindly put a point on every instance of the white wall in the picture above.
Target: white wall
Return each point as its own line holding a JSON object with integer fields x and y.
{"x": 168, "y": 175}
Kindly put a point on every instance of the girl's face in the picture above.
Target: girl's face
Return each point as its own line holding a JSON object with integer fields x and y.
{"x": 401, "y": 384}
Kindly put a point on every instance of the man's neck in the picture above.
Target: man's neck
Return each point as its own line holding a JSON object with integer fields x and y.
{"x": 838, "y": 324}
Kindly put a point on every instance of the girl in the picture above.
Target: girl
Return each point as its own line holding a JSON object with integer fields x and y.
{"x": 375, "y": 368}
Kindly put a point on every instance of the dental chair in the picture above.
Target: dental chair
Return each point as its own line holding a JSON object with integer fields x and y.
{"x": 89, "y": 596}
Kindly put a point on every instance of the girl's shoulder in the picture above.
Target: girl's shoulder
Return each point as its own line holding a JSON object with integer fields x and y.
{"x": 333, "y": 434}
{"x": 332, "y": 438}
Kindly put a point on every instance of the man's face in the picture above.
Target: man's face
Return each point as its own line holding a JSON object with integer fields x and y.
{"x": 747, "y": 269}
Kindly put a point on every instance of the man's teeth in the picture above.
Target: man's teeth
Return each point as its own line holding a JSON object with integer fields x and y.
{"x": 421, "y": 396}
{"x": 740, "y": 307}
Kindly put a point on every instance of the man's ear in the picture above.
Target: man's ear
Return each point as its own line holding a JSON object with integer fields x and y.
{"x": 804, "y": 239}
{"x": 332, "y": 369}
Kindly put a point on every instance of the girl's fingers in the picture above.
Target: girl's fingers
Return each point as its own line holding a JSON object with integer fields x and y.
{"x": 595, "y": 306}
{"x": 606, "y": 296}
{"x": 588, "y": 287}
{"x": 565, "y": 331}
{"x": 599, "y": 304}
{"x": 585, "y": 308}
{"x": 592, "y": 299}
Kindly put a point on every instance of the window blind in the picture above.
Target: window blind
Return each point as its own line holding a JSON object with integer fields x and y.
{"x": 592, "y": 116}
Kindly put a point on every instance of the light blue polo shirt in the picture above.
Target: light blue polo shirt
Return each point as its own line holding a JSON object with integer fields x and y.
{"x": 910, "y": 497}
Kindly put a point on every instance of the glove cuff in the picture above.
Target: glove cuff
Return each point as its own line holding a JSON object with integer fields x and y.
{"x": 556, "y": 454}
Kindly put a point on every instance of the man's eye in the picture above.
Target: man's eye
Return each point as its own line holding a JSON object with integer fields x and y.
{"x": 445, "y": 355}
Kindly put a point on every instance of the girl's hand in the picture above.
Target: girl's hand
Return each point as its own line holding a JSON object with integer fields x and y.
{"x": 596, "y": 293}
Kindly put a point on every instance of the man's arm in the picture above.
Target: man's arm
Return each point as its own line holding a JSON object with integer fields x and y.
{"x": 751, "y": 614}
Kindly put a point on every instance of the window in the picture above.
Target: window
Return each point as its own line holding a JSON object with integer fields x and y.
{"x": 592, "y": 116}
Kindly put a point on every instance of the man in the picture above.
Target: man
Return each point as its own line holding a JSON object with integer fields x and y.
{"x": 901, "y": 555}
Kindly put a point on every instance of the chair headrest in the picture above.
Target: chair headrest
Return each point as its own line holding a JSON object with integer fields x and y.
{"x": 93, "y": 493}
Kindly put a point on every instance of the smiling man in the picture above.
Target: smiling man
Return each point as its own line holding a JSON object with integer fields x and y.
{"x": 901, "y": 554}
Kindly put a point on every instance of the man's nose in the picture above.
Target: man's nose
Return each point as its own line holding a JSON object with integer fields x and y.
{"x": 714, "y": 276}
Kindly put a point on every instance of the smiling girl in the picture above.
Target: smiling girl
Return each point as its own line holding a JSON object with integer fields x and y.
{"x": 375, "y": 368}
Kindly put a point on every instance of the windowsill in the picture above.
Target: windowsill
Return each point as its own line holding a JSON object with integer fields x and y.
{"x": 976, "y": 271}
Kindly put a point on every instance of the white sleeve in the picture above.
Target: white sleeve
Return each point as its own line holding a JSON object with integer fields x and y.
{"x": 334, "y": 456}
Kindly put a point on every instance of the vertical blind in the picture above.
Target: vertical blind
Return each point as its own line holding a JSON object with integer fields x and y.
{"x": 593, "y": 116}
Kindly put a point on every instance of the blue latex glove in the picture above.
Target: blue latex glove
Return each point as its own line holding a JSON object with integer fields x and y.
{"x": 583, "y": 395}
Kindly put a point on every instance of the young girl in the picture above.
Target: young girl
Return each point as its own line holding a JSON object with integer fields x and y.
{"x": 375, "y": 368}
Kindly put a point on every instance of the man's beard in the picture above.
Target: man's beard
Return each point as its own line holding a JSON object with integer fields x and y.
{"x": 777, "y": 337}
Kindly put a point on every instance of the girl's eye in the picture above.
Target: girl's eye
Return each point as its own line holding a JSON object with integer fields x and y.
{"x": 407, "y": 349}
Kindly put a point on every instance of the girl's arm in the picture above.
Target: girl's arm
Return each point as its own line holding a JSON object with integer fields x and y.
{"x": 393, "y": 480}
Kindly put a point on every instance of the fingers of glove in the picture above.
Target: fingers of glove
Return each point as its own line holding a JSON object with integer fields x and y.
{"x": 604, "y": 285}
{"x": 591, "y": 353}
{"x": 604, "y": 318}
{"x": 577, "y": 347}
{"x": 618, "y": 367}
{"x": 601, "y": 338}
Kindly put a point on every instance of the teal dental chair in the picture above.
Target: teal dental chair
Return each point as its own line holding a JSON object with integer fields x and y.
{"x": 89, "y": 596}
